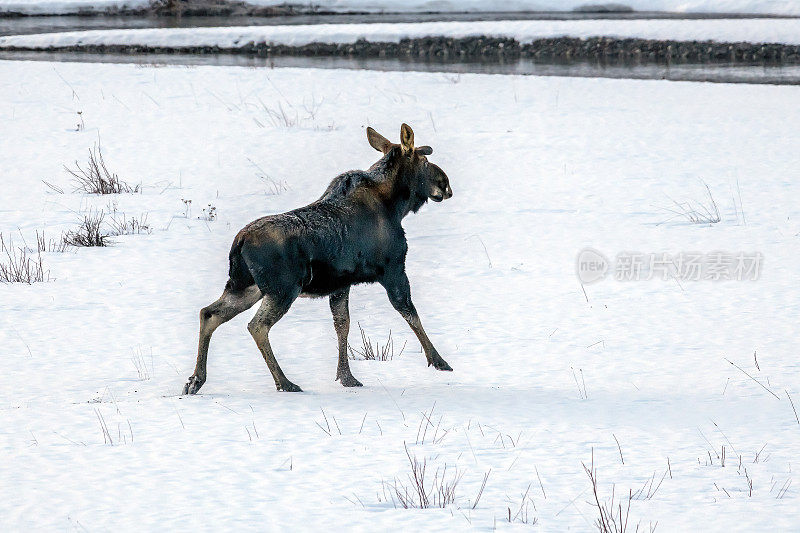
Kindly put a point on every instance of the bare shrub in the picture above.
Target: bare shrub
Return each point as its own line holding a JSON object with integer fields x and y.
{"x": 422, "y": 492}
{"x": 19, "y": 265}
{"x": 95, "y": 178}
{"x": 88, "y": 233}
{"x": 379, "y": 352}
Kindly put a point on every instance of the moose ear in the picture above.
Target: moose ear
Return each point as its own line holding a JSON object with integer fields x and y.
{"x": 378, "y": 141}
{"x": 424, "y": 150}
{"x": 406, "y": 138}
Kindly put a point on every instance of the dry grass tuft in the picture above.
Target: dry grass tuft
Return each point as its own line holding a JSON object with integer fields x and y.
{"x": 96, "y": 229}
{"x": 697, "y": 212}
{"x": 378, "y": 352}
{"x": 612, "y": 516}
{"x": 422, "y": 492}
{"x": 20, "y": 265}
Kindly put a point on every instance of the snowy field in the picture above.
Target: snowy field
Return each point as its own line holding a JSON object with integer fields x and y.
{"x": 761, "y": 7}
{"x": 524, "y": 31}
{"x": 547, "y": 373}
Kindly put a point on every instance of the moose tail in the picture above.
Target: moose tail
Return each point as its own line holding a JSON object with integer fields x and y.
{"x": 239, "y": 274}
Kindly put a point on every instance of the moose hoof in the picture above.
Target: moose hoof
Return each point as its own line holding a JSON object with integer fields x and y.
{"x": 193, "y": 385}
{"x": 350, "y": 381}
{"x": 441, "y": 364}
{"x": 288, "y": 386}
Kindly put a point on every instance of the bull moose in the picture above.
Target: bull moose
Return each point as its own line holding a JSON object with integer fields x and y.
{"x": 352, "y": 234}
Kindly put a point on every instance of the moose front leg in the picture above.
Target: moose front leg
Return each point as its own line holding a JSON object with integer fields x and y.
{"x": 399, "y": 292}
{"x": 341, "y": 321}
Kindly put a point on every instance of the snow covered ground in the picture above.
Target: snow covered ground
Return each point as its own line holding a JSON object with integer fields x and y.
{"x": 68, "y": 7}
{"x": 726, "y": 30}
{"x": 545, "y": 374}
{"x": 763, "y": 7}
{"x": 784, "y": 7}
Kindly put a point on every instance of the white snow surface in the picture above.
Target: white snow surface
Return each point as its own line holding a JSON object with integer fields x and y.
{"x": 722, "y": 30}
{"x": 782, "y": 7}
{"x": 546, "y": 375}
{"x": 768, "y": 7}
{"x": 68, "y": 7}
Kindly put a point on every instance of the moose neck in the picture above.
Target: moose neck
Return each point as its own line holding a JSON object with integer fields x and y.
{"x": 400, "y": 188}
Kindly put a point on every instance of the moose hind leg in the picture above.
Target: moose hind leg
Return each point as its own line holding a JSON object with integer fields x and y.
{"x": 230, "y": 304}
{"x": 399, "y": 292}
{"x": 341, "y": 321}
{"x": 271, "y": 310}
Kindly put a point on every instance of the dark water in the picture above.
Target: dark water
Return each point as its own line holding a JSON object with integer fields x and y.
{"x": 27, "y": 25}
{"x": 718, "y": 73}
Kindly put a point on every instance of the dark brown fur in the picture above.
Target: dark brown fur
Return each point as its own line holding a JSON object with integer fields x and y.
{"x": 352, "y": 234}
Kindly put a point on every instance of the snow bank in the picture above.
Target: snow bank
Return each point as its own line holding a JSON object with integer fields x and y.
{"x": 775, "y": 7}
{"x": 755, "y": 31}
{"x": 65, "y": 7}
{"x": 783, "y": 7}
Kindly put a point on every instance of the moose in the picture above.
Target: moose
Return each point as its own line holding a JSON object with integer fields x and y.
{"x": 352, "y": 234}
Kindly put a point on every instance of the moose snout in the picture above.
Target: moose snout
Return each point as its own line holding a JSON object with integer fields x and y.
{"x": 438, "y": 194}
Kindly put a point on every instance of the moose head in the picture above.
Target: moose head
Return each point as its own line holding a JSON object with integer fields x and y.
{"x": 426, "y": 179}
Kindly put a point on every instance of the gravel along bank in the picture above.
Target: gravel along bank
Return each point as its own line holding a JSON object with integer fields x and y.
{"x": 482, "y": 47}
{"x": 775, "y": 41}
